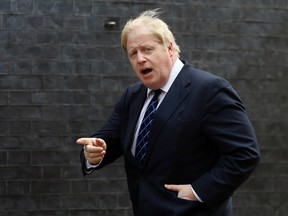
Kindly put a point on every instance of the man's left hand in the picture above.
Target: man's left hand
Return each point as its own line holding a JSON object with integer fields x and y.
{"x": 184, "y": 191}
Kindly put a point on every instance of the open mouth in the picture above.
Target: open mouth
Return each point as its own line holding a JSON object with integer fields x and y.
{"x": 146, "y": 71}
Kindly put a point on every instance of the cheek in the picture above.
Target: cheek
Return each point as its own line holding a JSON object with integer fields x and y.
{"x": 133, "y": 65}
{"x": 163, "y": 78}
{"x": 166, "y": 67}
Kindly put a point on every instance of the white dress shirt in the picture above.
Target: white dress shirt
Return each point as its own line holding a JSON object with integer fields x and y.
{"x": 178, "y": 65}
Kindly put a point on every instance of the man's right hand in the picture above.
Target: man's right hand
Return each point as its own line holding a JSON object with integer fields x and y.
{"x": 94, "y": 149}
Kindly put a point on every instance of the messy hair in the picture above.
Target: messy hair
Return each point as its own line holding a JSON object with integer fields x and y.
{"x": 154, "y": 26}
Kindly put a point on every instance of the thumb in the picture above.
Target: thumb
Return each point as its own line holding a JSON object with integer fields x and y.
{"x": 172, "y": 187}
{"x": 86, "y": 141}
{"x": 100, "y": 142}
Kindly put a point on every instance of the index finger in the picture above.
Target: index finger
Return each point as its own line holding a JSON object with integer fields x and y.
{"x": 86, "y": 141}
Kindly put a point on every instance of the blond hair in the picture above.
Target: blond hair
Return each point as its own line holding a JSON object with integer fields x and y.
{"x": 154, "y": 26}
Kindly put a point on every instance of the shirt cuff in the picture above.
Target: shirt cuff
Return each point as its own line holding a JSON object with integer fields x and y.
{"x": 91, "y": 166}
{"x": 196, "y": 195}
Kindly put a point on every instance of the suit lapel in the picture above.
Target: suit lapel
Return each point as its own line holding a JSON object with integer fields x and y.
{"x": 174, "y": 97}
{"x": 137, "y": 100}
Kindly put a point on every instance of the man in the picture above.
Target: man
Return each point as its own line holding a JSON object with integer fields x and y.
{"x": 201, "y": 146}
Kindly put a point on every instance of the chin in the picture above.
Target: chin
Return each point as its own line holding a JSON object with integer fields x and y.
{"x": 153, "y": 87}
{"x": 151, "y": 84}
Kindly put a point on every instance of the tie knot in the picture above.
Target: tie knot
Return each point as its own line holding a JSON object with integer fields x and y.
{"x": 157, "y": 92}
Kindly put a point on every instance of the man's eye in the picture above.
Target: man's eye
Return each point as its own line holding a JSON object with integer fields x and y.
{"x": 147, "y": 49}
{"x": 132, "y": 54}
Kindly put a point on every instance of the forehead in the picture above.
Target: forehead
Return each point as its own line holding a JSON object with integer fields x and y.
{"x": 141, "y": 38}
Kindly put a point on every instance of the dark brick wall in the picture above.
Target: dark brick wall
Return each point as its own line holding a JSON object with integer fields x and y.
{"x": 61, "y": 70}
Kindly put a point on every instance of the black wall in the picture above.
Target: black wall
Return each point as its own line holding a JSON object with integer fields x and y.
{"x": 62, "y": 69}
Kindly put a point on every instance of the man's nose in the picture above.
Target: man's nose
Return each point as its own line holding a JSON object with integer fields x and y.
{"x": 140, "y": 58}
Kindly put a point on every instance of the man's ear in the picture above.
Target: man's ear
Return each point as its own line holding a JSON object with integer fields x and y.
{"x": 171, "y": 49}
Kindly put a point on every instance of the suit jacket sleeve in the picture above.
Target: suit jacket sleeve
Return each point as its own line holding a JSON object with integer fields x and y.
{"x": 110, "y": 132}
{"x": 227, "y": 126}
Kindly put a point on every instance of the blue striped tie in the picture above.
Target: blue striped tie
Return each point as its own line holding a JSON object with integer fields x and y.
{"x": 145, "y": 127}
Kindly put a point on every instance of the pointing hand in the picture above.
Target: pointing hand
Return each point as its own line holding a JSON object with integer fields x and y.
{"x": 94, "y": 149}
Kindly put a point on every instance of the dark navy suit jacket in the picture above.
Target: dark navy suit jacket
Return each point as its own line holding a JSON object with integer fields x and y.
{"x": 200, "y": 136}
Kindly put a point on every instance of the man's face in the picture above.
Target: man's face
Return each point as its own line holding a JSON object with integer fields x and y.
{"x": 151, "y": 61}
